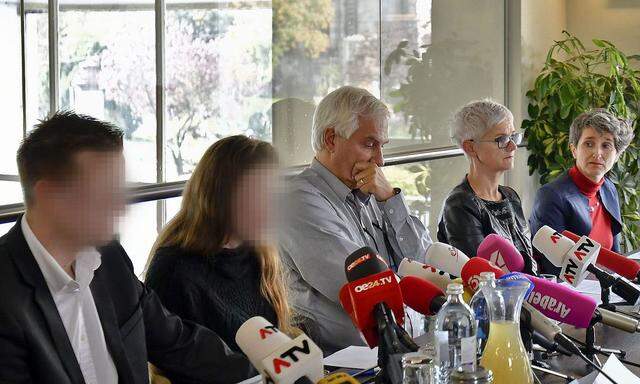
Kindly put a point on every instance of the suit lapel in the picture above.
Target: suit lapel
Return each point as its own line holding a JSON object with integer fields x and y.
{"x": 110, "y": 327}
{"x": 26, "y": 264}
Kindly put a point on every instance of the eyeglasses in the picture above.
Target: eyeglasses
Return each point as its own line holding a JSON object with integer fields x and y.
{"x": 503, "y": 140}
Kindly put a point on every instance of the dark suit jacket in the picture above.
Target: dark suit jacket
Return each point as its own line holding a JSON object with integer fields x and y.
{"x": 560, "y": 205}
{"x": 34, "y": 347}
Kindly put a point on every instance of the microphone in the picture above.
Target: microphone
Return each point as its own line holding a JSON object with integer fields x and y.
{"x": 555, "y": 301}
{"x": 421, "y": 295}
{"x": 613, "y": 261}
{"x": 339, "y": 378}
{"x": 508, "y": 259}
{"x": 373, "y": 300}
{"x": 428, "y": 272}
{"x": 370, "y": 282}
{"x": 278, "y": 358}
{"x": 578, "y": 259}
{"x": 446, "y": 257}
{"x": 425, "y": 298}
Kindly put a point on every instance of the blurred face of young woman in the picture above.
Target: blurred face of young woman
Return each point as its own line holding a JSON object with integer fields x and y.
{"x": 254, "y": 205}
{"x": 595, "y": 153}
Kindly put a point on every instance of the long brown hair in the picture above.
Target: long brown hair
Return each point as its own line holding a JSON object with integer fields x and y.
{"x": 203, "y": 223}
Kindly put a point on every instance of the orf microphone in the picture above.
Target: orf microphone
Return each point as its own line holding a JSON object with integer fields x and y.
{"x": 425, "y": 271}
{"x": 508, "y": 259}
{"x": 580, "y": 259}
{"x": 277, "y": 357}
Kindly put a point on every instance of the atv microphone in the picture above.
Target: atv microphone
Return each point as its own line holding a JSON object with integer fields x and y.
{"x": 278, "y": 358}
{"x": 578, "y": 259}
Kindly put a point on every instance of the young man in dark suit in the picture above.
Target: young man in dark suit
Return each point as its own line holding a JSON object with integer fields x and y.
{"x": 71, "y": 308}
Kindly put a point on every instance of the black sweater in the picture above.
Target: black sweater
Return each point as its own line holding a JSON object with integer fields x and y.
{"x": 218, "y": 291}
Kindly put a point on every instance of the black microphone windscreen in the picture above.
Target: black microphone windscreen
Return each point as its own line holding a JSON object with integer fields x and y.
{"x": 362, "y": 263}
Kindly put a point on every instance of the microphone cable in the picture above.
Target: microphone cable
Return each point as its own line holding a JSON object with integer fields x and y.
{"x": 595, "y": 366}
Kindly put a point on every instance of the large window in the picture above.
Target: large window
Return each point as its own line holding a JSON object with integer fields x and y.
{"x": 107, "y": 70}
{"x": 178, "y": 79}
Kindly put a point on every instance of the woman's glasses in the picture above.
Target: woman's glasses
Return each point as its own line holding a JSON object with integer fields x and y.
{"x": 503, "y": 140}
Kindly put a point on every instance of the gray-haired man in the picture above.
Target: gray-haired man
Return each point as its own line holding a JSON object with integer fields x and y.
{"x": 339, "y": 204}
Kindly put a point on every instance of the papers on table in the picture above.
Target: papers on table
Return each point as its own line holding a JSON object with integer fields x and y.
{"x": 615, "y": 369}
{"x": 350, "y": 357}
{"x": 353, "y": 357}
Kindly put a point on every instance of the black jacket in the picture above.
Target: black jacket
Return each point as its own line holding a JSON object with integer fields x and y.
{"x": 219, "y": 291}
{"x": 467, "y": 219}
{"x": 34, "y": 347}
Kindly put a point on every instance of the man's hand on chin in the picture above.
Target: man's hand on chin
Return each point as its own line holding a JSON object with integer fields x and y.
{"x": 370, "y": 179}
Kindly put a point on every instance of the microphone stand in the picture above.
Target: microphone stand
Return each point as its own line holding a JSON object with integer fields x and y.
{"x": 605, "y": 293}
{"x": 393, "y": 343}
{"x": 536, "y": 363}
{"x": 589, "y": 347}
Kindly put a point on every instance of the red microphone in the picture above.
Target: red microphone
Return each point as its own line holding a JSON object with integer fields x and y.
{"x": 370, "y": 282}
{"x": 421, "y": 295}
{"x": 613, "y": 261}
{"x": 471, "y": 271}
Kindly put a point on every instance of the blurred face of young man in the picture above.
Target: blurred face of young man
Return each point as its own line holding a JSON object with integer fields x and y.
{"x": 83, "y": 205}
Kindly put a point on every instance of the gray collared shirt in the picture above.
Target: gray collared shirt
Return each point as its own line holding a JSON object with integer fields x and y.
{"x": 326, "y": 222}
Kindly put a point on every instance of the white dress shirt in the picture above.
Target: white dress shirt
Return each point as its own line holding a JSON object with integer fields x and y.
{"x": 77, "y": 309}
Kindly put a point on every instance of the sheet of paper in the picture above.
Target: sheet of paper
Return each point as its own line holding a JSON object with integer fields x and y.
{"x": 353, "y": 357}
{"x": 618, "y": 372}
{"x": 614, "y": 368}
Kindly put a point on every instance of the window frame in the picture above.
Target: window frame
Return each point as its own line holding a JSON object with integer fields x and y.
{"x": 161, "y": 190}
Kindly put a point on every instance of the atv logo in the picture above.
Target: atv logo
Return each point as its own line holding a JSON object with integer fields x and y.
{"x": 266, "y": 331}
{"x": 584, "y": 248}
{"x": 555, "y": 237}
{"x": 288, "y": 358}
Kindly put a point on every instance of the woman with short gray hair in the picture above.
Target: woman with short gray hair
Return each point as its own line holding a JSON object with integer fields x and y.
{"x": 583, "y": 200}
{"x": 480, "y": 206}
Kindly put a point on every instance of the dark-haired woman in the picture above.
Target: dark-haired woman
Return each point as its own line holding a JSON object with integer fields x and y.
{"x": 583, "y": 200}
